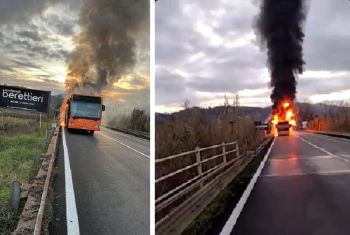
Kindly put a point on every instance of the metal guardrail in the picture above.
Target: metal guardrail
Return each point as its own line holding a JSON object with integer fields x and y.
{"x": 331, "y": 133}
{"x": 204, "y": 168}
{"x": 140, "y": 134}
{"x": 32, "y": 216}
{"x": 54, "y": 142}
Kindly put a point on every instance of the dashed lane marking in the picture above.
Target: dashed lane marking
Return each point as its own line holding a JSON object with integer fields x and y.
{"x": 299, "y": 158}
{"x": 335, "y": 172}
{"x": 323, "y": 150}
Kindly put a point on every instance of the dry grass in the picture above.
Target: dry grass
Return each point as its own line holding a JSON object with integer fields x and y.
{"x": 191, "y": 129}
{"x": 338, "y": 121}
{"x": 13, "y": 123}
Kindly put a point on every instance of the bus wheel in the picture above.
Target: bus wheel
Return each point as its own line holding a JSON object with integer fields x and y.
{"x": 91, "y": 132}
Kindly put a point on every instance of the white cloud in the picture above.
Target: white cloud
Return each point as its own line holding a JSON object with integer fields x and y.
{"x": 343, "y": 95}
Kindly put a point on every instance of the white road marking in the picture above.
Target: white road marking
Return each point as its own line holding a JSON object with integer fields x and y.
{"x": 231, "y": 222}
{"x": 323, "y": 150}
{"x": 106, "y": 136}
{"x": 335, "y": 172}
{"x": 71, "y": 208}
{"x": 299, "y": 158}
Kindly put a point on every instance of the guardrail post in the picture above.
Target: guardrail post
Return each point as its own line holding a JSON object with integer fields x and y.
{"x": 224, "y": 152}
{"x": 45, "y": 140}
{"x": 36, "y": 160}
{"x": 15, "y": 194}
{"x": 199, "y": 166}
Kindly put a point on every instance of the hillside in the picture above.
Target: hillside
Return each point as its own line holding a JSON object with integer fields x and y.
{"x": 306, "y": 111}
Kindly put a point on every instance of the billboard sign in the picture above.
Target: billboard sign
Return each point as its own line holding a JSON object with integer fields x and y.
{"x": 23, "y": 98}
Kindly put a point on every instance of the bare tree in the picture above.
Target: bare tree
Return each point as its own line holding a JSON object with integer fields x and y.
{"x": 226, "y": 104}
{"x": 186, "y": 104}
{"x": 236, "y": 101}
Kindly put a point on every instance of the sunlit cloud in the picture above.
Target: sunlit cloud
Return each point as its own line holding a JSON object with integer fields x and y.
{"x": 57, "y": 72}
{"x": 136, "y": 81}
{"x": 35, "y": 44}
{"x": 168, "y": 108}
{"x": 113, "y": 96}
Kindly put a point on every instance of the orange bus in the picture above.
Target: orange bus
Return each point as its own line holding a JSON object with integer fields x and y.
{"x": 82, "y": 112}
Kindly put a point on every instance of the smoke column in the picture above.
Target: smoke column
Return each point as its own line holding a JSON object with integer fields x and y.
{"x": 280, "y": 30}
{"x": 105, "y": 47}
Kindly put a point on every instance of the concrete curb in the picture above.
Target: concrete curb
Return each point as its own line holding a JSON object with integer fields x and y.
{"x": 31, "y": 217}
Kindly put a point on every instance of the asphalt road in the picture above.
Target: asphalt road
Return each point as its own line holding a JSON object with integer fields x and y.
{"x": 304, "y": 188}
{"x": 110, "y": 176}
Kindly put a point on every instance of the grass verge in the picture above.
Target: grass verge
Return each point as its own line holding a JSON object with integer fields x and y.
{"x": 16, "y": 163}
{"x": 213, "y": 217}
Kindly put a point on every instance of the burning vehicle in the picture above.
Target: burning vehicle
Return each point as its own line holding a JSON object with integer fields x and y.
{"x": 284, "y": 118}
{"x": 283, "y": 128}
{"x": 105, "y": 51}
{"x": 280, "y": 30}
{"x": 82, "y": 112}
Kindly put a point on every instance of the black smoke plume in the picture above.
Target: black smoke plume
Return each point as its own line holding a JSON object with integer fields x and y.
{"x": 105, "y": 47}
{"x": 280, "y": 30}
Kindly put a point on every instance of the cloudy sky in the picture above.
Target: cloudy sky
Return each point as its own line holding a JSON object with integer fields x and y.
{"x": 36, "y": 37}
{"x": 206, "y": 49}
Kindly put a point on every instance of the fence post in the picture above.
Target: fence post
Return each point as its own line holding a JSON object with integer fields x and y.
{"x": 237, "y": 152}
{"x": 224, "y": 152}
{"x": 199, "y": 166}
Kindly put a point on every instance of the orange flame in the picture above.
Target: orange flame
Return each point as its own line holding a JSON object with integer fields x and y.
{"x": 284, "y": 112}
{"x": 289, "y": 115}
{"x": 292, "y": 122}
{"x": 274, "y": 123}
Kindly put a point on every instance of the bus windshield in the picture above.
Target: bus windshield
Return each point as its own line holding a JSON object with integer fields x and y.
{"x": 83, "y": 109}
